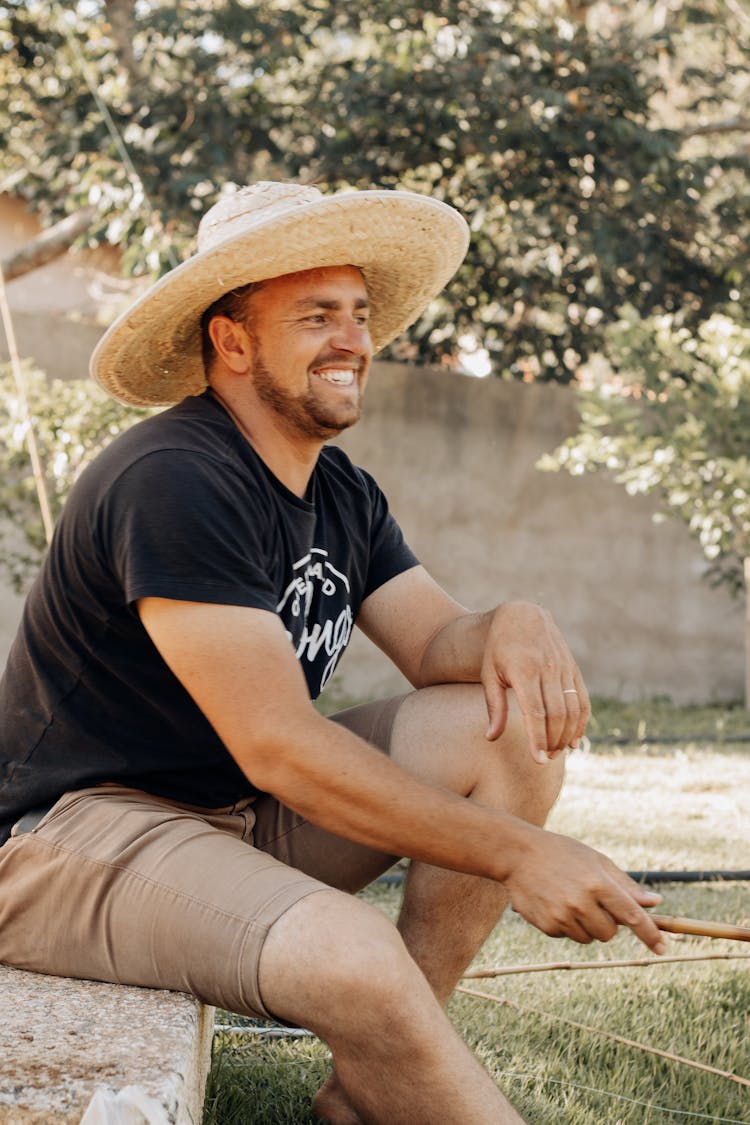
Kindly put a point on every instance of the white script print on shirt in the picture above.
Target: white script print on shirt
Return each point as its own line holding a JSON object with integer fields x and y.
{"x": 316, "y": 611}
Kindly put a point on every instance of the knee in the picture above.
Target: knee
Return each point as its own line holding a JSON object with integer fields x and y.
{"x": 334, "y": 962}
{"x": 372, "y": 978}
{"x": 523, "y": 786}
{"x": 439, "y": 734}
{"x": 373, "y": 967}
{"x": 543, "y": 786}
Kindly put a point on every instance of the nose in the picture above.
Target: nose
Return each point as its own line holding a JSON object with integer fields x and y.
{"x": 351, "y": 336}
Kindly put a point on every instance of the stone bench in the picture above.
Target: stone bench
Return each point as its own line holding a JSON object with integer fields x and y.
{"x": 102, "y": 1054}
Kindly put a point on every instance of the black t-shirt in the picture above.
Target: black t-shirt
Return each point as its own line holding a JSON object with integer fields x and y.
{"x": 180, "y": 507}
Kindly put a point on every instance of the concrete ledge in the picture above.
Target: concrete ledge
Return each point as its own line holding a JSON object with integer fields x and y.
{"x": 142, "y": 1055}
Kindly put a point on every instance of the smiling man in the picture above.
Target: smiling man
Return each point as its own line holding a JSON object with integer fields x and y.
{"x": 173, "y": 811}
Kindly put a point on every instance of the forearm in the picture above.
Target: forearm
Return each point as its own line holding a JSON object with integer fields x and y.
{"x": 456, "y": 651}
{"x": 339, "y": 782}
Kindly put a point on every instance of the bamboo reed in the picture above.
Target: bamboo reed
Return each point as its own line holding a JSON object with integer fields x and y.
{"x": 700, "y": 928}
{"x": 607, "y": 1034}
{"x": 636, "y": 962}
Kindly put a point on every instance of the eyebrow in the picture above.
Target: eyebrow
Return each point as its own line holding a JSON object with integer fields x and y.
{"x": 306, "y": 303}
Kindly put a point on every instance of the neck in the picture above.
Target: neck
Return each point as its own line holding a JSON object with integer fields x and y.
{"x": 290, "y": 462}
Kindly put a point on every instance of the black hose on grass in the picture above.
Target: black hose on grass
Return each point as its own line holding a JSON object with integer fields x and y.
{"x": 664, "y": 739}
{"x": 690, "y": 876}
{"x": 395, "y": 878}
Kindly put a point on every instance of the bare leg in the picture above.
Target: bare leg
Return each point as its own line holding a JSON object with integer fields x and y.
{"x": 439, "y": 734}
{"x": 339, "y": 967}
{"x": 445, "y": 916}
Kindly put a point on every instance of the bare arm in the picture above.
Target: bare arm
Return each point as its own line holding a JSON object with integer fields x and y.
{"x": 240, "y": 669}
{"x": 433, "y": 639}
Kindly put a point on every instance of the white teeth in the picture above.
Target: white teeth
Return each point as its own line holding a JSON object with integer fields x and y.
{"x": 340, "y": 378}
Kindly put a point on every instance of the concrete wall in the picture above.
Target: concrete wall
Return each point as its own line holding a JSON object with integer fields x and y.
{"x": 456, "y": 457}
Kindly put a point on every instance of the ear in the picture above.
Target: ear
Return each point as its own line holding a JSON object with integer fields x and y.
{"x": 231, "y": 342}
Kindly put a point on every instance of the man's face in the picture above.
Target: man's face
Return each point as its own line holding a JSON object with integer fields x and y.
{"x": 311, "y": 349}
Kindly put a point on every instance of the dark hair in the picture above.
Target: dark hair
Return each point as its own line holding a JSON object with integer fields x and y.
{"x": 233, "y": 305}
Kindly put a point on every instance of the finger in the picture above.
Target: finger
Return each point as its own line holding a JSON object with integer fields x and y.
{"x": 577, "y": 706}
{"x": 563, "y": 715}
{"x": 645, "y": 897}
{"x": 552, "y": 754}
{"x": 530, "y": 700}
{"x": 556, "y": 715}
{"x": 599, "y": 924}
{"x": 574, "y": 726}
{"x": 568, "y": 927}
{"x": 534, "y": 709}
{"x": 560, "y": 680}
{"x": 584, "y": 706}
{"x": 625, "y": 909}
{"x": 496, "y": 698}
{"x": 574, "y": 930}
{"x": 535, "y": 722}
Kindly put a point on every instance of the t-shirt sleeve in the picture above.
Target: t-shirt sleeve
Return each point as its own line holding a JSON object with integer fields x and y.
{"x": 172, "y": 527}
{"x": 390, "y": 554}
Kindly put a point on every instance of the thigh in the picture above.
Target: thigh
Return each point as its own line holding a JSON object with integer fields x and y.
{"x": 120, "y": 886}
{"x": 301, "y": 844}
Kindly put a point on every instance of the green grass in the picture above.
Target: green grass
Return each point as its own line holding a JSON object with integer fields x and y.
{"x": 663, "y": 720}
{"x": 647, "y": 806}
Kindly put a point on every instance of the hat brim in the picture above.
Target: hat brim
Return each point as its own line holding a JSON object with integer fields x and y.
{"x": 407, "y": 246}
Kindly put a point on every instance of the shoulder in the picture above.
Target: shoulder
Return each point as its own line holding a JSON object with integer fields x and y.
{"x": 193, "y": 441}
{"x": 182, "y": 467}
{"x": 336, "y": 465}
{"x": 194, "y": 426}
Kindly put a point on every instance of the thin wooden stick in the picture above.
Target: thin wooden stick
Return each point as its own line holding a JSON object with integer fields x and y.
{"x": 36, "y": 464}
{"x": 550, "y": 966}
{"x": 607, "y": 1034}
{"x": 700, "y": 928}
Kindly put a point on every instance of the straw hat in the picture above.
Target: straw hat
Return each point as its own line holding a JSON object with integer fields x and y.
{"x": 407, "y": 246}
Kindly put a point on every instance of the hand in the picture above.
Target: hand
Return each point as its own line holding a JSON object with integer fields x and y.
{"x": 526, "y": 651}
{"x": 567, "y": 889}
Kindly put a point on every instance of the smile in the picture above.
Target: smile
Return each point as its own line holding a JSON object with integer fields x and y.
{"x": 339, "y": 376}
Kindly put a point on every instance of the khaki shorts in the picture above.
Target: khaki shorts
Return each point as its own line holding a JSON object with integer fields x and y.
{"x": 117, "y": 885}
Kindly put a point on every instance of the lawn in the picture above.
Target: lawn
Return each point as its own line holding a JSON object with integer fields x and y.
{"x": 657, "y": 803}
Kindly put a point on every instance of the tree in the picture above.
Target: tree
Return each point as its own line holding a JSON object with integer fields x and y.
{"x": 141, "y": 111}
{"x": 542, "y": 131}
{"x": 73, "y": 421}
{"x": 674, "y": 423}
{"x": 533, "y": 118}
{"x": 592, "y": 146}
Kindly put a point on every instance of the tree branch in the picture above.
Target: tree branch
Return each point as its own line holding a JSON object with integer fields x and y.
{"x": 47, "y": 245}
{"x": 120, "y": 15}
{"x": 732, "y": 125}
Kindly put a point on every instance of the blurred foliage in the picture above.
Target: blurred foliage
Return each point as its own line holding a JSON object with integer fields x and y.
{"x": 73, "y": 421}
{"x": 540, "y": 120}
{"x": 675, "y": 423}
{"x": 598, "y": 149}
